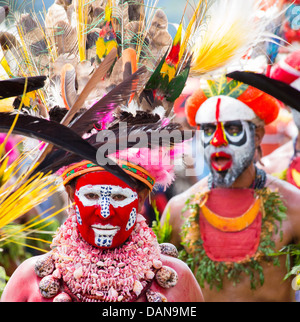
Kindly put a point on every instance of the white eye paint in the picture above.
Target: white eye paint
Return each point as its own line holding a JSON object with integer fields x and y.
{"x": 242, "y": 156}
{"x": 106, "y": 191}
{"x": 104, "y": 197}
{"x": 235, "y": 138}
{"x": 206, "y": 138}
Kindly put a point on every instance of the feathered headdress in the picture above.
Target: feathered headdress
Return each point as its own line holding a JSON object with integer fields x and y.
{"x": 100, "y": 56}
{"x": 19, "y": 196}
{"x": 228, "y": 41}
{"x": 112, "y": 61}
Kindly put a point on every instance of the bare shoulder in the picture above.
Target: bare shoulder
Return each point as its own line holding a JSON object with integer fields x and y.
{"x": 24, "y": 280}
{"x": 26, "y": 268}
{"x": 291, "y": 199}
{"x": 289, "y": 193}
{"x": 283, "y": 153}
{"x": 177, "y": 203}
{"x": 175, "y": 209}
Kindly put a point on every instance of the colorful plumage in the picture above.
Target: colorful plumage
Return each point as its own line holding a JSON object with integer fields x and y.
{"x": 231, "y": 28}
{"x": 166, "y": 82}
{"x": 107, "y": 36}
{"x": 124, "y": 39}
{"x": 93, "y": 50}
{"x": 68, "y": 85}
{"x": 169, "y": 67}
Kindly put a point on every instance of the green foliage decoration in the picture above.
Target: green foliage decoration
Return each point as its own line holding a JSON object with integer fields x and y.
{"x": 213, "y": 273}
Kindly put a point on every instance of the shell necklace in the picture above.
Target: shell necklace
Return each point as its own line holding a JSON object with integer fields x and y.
{"x": 89, "y": 273}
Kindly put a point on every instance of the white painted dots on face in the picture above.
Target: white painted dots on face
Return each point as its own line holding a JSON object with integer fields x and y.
{"x": 104, "y": 237}
{"x": 107, "y": 209}
{"x": 105, "y": 199}
{"x": 131, "y": 220}
{"x": 79, "y": 220}
{"x": 104, "y": 196}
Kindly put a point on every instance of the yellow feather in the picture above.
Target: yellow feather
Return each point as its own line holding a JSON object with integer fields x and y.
{"x": 231, "y": 28}
{"x": 81, "y": 8}
{"x": 215, "y": 52}
{"x": 190, "y": 28}
{"x": 296, "y": 177}
{"x": 5, "y": 66}
{"x": 6, "y": 104}
{"x": 17, "y": 199}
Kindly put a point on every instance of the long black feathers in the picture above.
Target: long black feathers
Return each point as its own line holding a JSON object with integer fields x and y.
{"x": 15, "y": 86}
{"x": 116, "y": 97}
{"x": 61, "y": 137}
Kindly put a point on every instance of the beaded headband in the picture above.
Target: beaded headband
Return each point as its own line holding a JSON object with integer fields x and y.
{"x": 84, "y": 167}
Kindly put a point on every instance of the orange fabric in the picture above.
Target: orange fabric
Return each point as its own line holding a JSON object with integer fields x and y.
{"x": 192, "y": 105}
{"x": 264, "y": 106}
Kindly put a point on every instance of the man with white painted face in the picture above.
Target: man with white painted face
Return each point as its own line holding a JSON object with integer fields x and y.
{"x": 230, "y": 223}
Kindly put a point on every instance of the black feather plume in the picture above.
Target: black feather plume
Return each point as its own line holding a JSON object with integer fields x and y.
{"x": 280, "y": 90}
{"x": 117, "y": 96}
{"x": 15, "y": 86}
{"x": 121, "y": 139}
{"x": 61, "y": 137}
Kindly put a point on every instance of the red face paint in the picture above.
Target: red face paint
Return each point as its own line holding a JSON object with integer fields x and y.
{"x": 106, "y": 209}
{"x": 219, "y": 138}
{"x": 221, "y": 161}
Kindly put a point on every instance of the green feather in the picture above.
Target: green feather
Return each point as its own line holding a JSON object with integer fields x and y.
{"x": 221, "y": 84}
{"x": 176, "y": 85}
{"x": 211, "y": 90}
{"x": 155, "y": 80}
{"x": 235, "y": 89}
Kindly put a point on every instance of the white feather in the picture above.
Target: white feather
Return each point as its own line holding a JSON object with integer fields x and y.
{"x": 55, "y": 97}
{"x": 232, "y": 27}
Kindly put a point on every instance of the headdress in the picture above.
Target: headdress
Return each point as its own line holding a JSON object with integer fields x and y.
{"x": 237, "y": 101}
{"x": 232, "y": 99}
{"x": 287, "y": 70}
{"x": 91, "y": 53}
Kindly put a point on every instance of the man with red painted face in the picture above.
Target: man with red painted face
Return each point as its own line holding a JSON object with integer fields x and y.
{"x": 105, "y": 251}
{"x": 232, "y": 221}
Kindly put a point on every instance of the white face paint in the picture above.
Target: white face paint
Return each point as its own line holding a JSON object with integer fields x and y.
{"x": 103, "y": 195}
{"x": 230, "y": 109}
{"x": 77, "y": 212}
{"x": 132, "y": 219}
{"x": 104, "y": 234}
{"x": 239, "y": 152}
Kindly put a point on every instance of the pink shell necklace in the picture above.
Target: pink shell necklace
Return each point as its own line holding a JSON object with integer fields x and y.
{"x": 92, "y": 274}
